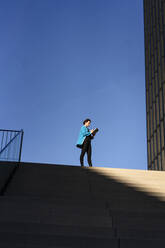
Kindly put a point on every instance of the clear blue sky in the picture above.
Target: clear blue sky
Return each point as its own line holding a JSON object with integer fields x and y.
{"x": 62, "y": 61}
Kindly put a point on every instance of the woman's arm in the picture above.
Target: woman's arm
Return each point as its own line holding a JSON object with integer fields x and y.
{"x": 85, "y": 131}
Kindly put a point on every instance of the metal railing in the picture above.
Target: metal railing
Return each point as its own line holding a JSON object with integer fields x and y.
{"x": 11, "y": 145}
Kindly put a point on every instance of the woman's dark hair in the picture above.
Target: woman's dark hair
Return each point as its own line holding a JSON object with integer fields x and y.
{"x": 86, "y": 120}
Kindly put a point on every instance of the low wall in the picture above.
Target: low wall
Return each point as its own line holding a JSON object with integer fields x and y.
{"x": 6, "y": 171}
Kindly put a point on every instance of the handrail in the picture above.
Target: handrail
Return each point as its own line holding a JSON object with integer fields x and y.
{"x": 11, "y": 144}
{"x": 8, "y": 130}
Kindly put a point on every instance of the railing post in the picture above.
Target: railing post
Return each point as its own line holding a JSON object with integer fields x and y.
{"x": 22, "y": 133}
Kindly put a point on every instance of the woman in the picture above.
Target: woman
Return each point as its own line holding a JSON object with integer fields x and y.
{"x": 84, "y": 142}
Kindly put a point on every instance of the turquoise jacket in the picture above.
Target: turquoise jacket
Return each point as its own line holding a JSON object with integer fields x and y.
{"x": 84, "y": 131}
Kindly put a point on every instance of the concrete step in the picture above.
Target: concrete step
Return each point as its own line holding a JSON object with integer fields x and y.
{"x": 58, "y": 219}
{"x": 87, "y": 202}
{"x": 34, "y": 240}
{"x": 152, "y": 182}
{"x": 141, "y": 233}
{"x": 154, "y": 222}
{"x": 51, "y": 209}
{"x": 142, "y": 243}
{"x": 132, "y": 207}
{"x": 51, "y": 229}
{"x": 54, "y": 179}
{"x": 134, "y": 213}
{"x": 37, "y": 200}
{"x": 138, "y": 220}
{"x": 29, "y": 211}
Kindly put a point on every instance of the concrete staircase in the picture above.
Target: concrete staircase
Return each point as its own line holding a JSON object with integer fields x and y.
{"x": 59, "y": 206}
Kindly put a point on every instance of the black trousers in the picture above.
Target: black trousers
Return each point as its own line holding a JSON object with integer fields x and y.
{"x": 86, "y": 148}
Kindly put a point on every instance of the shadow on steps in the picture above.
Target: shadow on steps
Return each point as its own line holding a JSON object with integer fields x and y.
{"x": 78, "y": 207}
